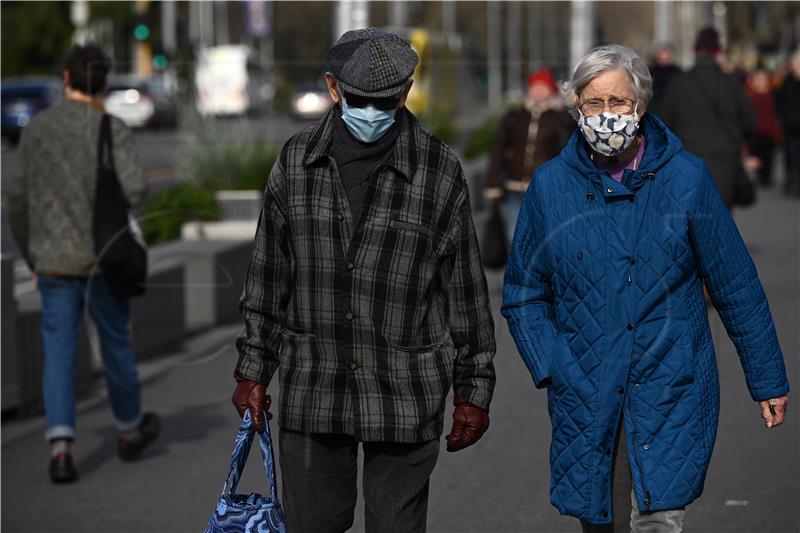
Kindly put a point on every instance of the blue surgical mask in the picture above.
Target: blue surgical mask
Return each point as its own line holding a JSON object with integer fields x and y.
{"x": 367, "y": 124}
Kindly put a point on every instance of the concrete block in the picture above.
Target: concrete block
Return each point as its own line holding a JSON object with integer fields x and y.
{"x": 214, "y": 276}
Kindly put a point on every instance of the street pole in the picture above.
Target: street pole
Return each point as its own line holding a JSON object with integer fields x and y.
{"x": 513, "y": 45}
{"x": 221, "y": 22}
{"x": 581, "y": 30}
{"x": 397, "y": 14}
{"x": 494, "y": 55}
{"x": 168, "y": 37}
{"x": 79, "y": 16}
{"x": 688, "y": 30}
{"x": 350, "y": 15}
{"x": 664, "y": 22}
{"x": 449, "y": 17}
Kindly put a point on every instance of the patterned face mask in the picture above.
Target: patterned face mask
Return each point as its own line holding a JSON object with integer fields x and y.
{"x": 609, "y": 134}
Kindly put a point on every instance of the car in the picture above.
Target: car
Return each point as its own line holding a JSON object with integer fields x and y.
{"x": 22, "y": 98}
{"x": 142, "y": 102}
{"x": 310, "y": 101}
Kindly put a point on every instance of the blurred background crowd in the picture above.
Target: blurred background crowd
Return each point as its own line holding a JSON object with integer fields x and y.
{"x": 179, "y": 66}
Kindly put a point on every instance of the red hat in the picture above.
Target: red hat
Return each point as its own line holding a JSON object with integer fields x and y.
{"x": 543, "y": 75}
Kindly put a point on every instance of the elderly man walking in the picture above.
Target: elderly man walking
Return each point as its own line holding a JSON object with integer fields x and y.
{"x": 365, "y": 293}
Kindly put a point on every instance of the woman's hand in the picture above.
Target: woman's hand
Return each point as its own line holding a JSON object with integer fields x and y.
{"x": 774, "y": 410}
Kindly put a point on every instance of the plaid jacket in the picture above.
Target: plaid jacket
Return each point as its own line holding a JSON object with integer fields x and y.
{"x": 368, "y": 323}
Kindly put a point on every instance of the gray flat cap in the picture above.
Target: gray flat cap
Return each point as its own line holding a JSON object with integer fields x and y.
{"x": 371, "y": 62}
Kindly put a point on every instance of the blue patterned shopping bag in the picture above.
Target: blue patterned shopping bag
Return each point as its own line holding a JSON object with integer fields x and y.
{"x": 248, "y": 513}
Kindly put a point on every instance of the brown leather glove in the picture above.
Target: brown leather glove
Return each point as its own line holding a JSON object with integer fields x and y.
{"x": 253, "y": 396}
{"x": 469, "y": 425}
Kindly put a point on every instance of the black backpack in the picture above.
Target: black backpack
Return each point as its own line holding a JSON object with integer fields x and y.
{"x": 118, "y": 240}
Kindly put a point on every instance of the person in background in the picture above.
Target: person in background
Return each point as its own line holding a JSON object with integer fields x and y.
{"x": 366, "y": 298}
{"x": 526, "y": 137}
{"x": 50, "y": 203}
{"x": 604, "y": 299}
{"x": 711, "y": 114}
{"x": 663, "y": 70}
{"x": 788, "y": 103}
{"x": 767, "y": 133}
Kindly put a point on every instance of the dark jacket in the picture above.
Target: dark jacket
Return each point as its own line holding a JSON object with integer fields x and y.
{"x": 787, "y": 100}
{"x": 508, "y": 158}
{"x": 368, "y": 322}
{"x": 604, "y": 298}
{"x": 711, "y": 114}
{"x": 662, "y": 76}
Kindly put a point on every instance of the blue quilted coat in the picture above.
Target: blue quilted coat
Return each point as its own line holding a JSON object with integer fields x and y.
{"x": 604, "y": 298}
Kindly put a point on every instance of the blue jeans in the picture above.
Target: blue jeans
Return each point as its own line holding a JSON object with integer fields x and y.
{"x": 63, "y": 302}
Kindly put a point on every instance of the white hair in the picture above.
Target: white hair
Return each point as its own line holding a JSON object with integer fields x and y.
{"x": 602, "y": 59}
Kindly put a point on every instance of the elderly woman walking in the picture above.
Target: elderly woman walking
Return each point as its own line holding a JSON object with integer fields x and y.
{"x": 604, "y": 298}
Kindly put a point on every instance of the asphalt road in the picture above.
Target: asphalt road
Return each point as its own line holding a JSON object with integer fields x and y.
{"x": 499, "y": 485}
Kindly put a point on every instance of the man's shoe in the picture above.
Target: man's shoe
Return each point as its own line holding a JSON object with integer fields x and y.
{"x": 62, "y": 469}
{"x": 130, "y": 449}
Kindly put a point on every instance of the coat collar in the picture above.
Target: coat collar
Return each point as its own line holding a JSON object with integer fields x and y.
{"x": 661, "y": 146}
{"x": 404, "y": 154}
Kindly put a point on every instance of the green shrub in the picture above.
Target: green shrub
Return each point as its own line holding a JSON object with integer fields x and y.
{"x": 441, "y": 125}
{"x": 232, "y": 166}
{"x": 164, "y": 212}
{"x": 480, "y": 142}
{"x": 225, "y": 155}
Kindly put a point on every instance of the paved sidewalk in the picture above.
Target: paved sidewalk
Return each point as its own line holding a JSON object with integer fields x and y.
{"x": 499, "y": 485}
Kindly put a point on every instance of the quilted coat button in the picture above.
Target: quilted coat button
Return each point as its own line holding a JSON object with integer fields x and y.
{"x": 632, "y": 261}
{"x": 580, "y": 256}
{"x": 621, "y": 390}
{"x": 646, "y": 446}
{"x": 605, "y": 514}
{"x": 630, "y": 327}
{"x": 610, "y": 190}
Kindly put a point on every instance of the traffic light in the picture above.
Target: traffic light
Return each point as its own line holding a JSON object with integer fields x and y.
{"x": 141, "y": 32}
{"x": 160, "y": 61}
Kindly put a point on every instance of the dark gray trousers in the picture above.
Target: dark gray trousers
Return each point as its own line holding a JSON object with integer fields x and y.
{"x": 319, "y": 480}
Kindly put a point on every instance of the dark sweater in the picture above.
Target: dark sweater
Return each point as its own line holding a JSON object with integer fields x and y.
{"x": 357, "y": 161}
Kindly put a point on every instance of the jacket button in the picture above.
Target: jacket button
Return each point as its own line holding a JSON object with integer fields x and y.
{"x": 637, "y": 385}
{"x": 610, "y": 190}
{"x": 349, "y": 315}
{"x": 353, "y": 365}
{"x": 646, "y": 446}
{"x": 605, "y": 514}
{"x": 340, "y": 217}
{"x": 350, "y": 266}
{"x": 621, "y": 390}
{"x": 580, "y": 255}
{"x": 630, "y": 327}
{"x": 608, "y": 451}
{"x": 632, "y": 261}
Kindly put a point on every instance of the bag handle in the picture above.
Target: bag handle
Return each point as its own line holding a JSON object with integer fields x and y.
{"x": 105, "y": 148}
{"x": 241, "y": 449}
